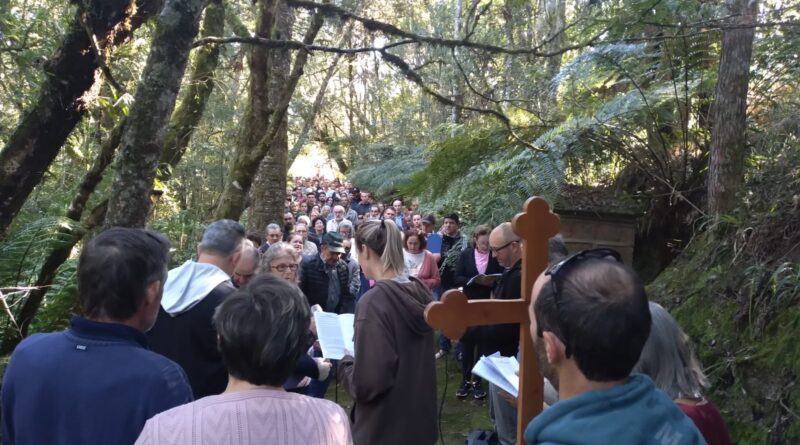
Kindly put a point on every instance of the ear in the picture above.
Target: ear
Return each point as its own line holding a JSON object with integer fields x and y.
{"x": 554, "y": 348}
{"x": 152, "y": 294}
{"x": 235, "y": 257}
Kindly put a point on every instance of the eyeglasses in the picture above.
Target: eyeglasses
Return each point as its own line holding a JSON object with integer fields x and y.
{"x": 558, "y": 273}
{"x": 497, "y": 249}
{"x": 284, "y": 267}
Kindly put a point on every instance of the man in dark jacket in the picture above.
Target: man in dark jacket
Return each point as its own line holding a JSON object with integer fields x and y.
{"x": 183, "y": 331}
{"x": 325, "y": 278}
{"x": 97, "y": 382}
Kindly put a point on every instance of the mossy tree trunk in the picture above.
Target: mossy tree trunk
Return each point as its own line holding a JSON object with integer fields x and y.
{"x": 261, "y": 122}
{"x": 188, "y": 112}
{"x": 266, "y": 196}
{"x": 194, "y": 96}
{"x": 729, "y": 112}
{"x": 41, "y": 132}
{"x": 143, "y": 140}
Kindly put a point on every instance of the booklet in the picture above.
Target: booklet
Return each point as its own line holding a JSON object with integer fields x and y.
{"x": 484, "y": 280}
{"x": 434, "y": 243}
{"x": 335, "y": 333}
{"x": 502, "y": 371}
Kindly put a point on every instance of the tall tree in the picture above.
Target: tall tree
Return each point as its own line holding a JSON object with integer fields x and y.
{"x": 143, "y": 139}
{"x": 261, "y": 123}
{"x": 729, "y": 112}
{"x": 188, "y": 112}
{"x": 98, "y": 27}
{"x": 266, "y": 195}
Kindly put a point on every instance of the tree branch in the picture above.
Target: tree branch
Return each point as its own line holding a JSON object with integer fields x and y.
{"x": 411, "y": 75}
{"x": 392, "y": 30}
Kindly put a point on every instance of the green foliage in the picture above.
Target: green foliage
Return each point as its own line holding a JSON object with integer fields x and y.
{"x": 384, "y": 178}
{"x": 483, "y": 174}
{"x": 22, "y": 255}
{"x": 60, "y": 301}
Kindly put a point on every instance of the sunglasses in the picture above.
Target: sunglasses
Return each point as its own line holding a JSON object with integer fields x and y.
{"x": 558, "y": 273}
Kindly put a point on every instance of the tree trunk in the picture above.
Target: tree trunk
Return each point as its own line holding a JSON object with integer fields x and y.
{"x": 195, "y": 94}
{"x": 729, "y": 112}
{"x": 266, "y": 195}
{"x": 143, "y": 139}
{"x": 254, "y": 144}
{"x": 41, "y": 132}
{"x": 255, "y": 120}
{"x": 456, "y": 92}
{"x": 192, "y": 103}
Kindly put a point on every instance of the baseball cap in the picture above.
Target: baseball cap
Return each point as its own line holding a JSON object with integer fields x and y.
{"x": 334, "y": 242}
{"x": 429, "y": 219}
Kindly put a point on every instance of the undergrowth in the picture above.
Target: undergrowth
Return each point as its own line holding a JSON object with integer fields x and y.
{"x": 736, "y": 292}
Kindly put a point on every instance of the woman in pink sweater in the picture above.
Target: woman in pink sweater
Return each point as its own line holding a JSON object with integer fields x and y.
{"x": 420, "y": 263}
{"x": 262, "y": 331}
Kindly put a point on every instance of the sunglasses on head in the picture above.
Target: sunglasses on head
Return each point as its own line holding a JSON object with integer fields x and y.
{"x": 558, "y": 273}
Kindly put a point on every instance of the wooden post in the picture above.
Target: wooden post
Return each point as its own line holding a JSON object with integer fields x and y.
{"x": 454, "y": 313}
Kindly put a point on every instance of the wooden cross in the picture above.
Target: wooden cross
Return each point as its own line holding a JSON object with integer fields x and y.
{"x": 454, "y": 313}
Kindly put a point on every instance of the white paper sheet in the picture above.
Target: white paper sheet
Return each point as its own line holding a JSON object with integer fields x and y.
{"x": 335, "y": 333}
{"x": 499, "y": 370}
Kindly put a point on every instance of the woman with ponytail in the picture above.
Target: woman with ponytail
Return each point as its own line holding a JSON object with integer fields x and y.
{"x": 392, "y": 375}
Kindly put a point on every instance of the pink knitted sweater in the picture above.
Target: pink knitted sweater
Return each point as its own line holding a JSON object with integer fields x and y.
{"x": 257, "y": 416}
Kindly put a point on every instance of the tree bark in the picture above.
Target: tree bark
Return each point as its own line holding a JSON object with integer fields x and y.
{"x": 729, "y": 111}
{"x": 41, "y": 132}
{"x": 195, "y": 94}
{"x": 143, "y": 140}
{"x": 192, "y": 102}
{"x": 266, "y": 194}
{"x": 254, "y": 144}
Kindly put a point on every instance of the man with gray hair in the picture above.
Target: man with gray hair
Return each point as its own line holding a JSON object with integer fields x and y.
{"x": 183, "y": 331}
{"x": 338, "y": 217}
{"x": 273, "y": 235}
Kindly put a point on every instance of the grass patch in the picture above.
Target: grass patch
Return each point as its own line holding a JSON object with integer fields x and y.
{"x": 459, "y": 417}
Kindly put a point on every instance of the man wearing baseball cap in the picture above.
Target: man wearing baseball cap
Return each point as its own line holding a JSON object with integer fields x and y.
{"x": 324, "y": 277}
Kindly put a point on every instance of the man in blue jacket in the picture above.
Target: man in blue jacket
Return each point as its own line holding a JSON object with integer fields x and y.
{"x": 589, "y": 322}
{"x": 97, "y": 382}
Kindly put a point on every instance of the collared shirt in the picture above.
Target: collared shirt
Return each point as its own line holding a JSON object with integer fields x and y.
{"x": 93, "y": 383}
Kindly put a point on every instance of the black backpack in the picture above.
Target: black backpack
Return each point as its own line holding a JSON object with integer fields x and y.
{"x": 482, "y": 437}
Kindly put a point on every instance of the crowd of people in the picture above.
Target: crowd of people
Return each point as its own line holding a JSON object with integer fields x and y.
{"x": 223, "y": 348}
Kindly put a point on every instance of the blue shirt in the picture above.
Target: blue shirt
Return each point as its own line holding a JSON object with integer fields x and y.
{"x": 634, "y": 413}
{"x": 95, "y": 383}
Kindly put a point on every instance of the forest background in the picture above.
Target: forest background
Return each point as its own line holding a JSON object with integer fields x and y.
{"x": 172, "y": 113}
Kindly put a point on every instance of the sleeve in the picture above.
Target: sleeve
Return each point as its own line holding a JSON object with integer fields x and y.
{"x": 368, "y": 377}
{"x": 307, "y": 367}
{"x": 174, "y": 390}
{"x": 462, "y": 275}
{"x": 355, "y": 278}
{"x": 429, "y": 273}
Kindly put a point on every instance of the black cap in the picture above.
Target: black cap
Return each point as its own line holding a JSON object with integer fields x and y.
{"x": 334, "y": 242}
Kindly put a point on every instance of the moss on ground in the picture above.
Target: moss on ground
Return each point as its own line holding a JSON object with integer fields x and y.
{"x": 745, "y": 332}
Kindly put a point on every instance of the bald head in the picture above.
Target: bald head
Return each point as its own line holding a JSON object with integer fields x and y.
{"x": 505, "y": 245}
{"x": 246, "y": 267}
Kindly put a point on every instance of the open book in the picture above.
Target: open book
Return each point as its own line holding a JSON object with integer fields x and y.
{"x": 484, "y": 280}
{"x": 335, "y": 333}
{"x": 502, "y": 371}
